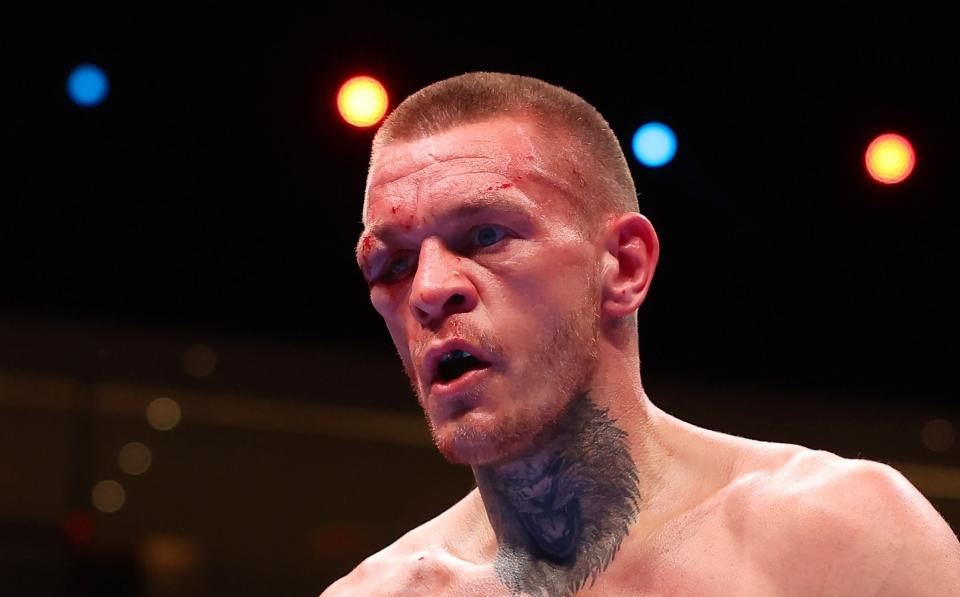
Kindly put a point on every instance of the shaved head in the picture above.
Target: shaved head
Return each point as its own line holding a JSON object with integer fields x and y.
{"x": 584, "y": 154}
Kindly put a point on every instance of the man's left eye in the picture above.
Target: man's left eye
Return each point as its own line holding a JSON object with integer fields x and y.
{"x": 488, "y": 235}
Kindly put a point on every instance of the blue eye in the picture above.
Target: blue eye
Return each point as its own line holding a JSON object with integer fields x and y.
{"x": 488, "y": 235}
{"x": 398, "y": 267}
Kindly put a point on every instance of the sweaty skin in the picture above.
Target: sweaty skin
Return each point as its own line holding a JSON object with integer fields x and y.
{"x": 584, "y": 486}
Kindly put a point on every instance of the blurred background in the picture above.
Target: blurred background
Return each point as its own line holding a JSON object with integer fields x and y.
{"x": 196, "y": 396}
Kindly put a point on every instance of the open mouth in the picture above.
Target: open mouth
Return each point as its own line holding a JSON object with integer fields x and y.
{"x": 456, "y": 363}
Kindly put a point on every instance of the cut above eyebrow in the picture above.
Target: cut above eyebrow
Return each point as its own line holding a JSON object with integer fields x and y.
{"x": 475, "y": 204}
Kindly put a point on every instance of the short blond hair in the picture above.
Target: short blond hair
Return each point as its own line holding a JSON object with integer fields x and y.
{"x": 477, "y": 96}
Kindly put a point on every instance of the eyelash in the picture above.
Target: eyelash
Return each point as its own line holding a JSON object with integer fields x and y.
{"x": 388, "y": 276}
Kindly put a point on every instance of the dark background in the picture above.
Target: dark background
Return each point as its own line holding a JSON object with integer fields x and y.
{"x": 214, "y": 198}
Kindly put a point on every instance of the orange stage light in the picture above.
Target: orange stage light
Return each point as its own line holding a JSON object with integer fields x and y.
{"x": 362, "y": 101}
{"x": 890, "y": 158}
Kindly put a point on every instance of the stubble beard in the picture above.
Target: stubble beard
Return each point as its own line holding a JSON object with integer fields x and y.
{"x": 561, "y": 364}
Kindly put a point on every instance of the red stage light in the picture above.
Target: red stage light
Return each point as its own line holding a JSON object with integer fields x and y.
{"x": 79, "y": 527}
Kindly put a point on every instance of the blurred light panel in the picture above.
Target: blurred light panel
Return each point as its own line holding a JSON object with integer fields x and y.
{"x": 654, "y": 144}
{"x": 362, "y": 101}
{"x": 890, "y": 158}
{"x": 87, "y": 85}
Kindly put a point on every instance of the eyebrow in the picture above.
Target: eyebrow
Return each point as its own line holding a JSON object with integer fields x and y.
{"x": 484, "y": 201}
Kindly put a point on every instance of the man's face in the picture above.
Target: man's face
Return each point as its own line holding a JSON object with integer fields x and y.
{"x": 472, "y": 245}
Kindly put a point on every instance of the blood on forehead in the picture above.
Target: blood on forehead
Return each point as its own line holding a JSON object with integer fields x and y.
{"x": 502, "y": 139}
{"x": 399, "y": 204}
{"x": 447, "y": 164}
{"x": 363, "y": 251}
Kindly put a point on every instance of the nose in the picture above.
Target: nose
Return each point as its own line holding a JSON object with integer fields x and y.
{"x": 438, "y": 289}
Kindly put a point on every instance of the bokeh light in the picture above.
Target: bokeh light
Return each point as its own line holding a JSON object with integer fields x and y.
{"x": 199, "y": 360}
{"x": 87, "y": 85}
{"x": 79, "y": 527}
{"x": 890, "y": 158}
{"x": 134, "y": 458}
{"x": 938, "y": 435}
{"x": 167, "y": 557}
{"x": 654, "y": 144}
{"x": 334, "y": 539}
{"x": 108, "y": 496}
{"x": 362, "y": 101}
{"x": 163, "y": 414}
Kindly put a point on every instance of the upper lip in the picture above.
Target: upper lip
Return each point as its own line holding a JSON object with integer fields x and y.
{"x": 436, "y": 352}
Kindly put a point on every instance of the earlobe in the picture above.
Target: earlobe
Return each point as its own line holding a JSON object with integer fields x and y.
{"x": 630, "y": 258}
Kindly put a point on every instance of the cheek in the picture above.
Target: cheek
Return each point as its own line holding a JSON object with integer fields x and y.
{"x": 522, "y": 312}
{"x": 400, "y": 341}
{"x": 546, "y": 278}
{"x": 388, "y": 304}
{"x": 388, "y": 300}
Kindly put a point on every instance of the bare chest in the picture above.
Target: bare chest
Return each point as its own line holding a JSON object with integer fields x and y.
{"x": 707, "y": 553}
{"x": 701, "y": 558}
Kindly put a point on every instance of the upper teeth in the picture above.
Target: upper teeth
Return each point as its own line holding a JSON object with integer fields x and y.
{"x": 454, "y": 354}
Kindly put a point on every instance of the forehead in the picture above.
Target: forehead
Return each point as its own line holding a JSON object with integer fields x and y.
{"x": 505, "y": 146}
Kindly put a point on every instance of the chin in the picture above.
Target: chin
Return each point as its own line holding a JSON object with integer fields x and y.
{"x": 469, "y": 440}
{"x": 480, "y": 438}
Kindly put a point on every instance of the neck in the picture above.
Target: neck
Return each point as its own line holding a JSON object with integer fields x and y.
{"x": 561, "y": 510}
{"x": 612, "y": 463}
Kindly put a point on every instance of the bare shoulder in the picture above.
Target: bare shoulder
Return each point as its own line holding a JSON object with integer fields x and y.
{"x": 843, "y": 526}
{"x": 421, "y": 562}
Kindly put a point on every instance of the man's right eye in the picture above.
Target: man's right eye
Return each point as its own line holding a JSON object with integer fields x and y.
{"x": 398, "y": 267}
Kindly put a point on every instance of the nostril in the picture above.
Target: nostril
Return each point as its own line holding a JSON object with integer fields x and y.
{"x": 425, "y": 311}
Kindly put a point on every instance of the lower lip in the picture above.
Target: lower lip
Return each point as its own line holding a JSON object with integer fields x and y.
{"x": 469, "y": 379}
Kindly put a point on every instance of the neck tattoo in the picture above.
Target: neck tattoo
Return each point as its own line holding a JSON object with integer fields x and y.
{"x": 560, "y": 512}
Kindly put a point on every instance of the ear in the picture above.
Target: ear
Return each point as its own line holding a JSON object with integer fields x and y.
{"x": 631, "y": 250}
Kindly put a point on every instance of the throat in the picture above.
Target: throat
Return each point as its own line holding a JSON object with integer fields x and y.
{"x": 555, "y": 531}
{"x": 560, "y": 512}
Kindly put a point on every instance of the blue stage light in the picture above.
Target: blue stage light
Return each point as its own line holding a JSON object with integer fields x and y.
{"x": 654, "y": 144}
{"x": 87, "y": 85}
